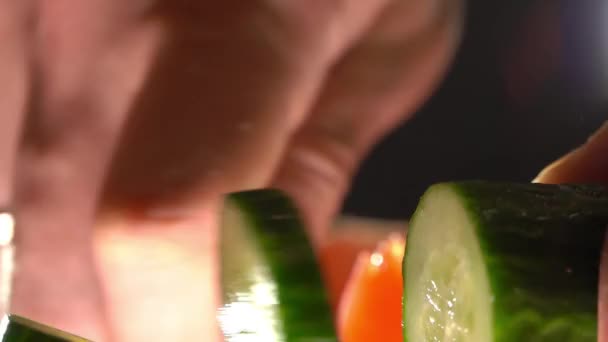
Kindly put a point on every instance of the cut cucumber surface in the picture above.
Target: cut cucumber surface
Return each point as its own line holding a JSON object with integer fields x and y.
{"x": 19, "y": 329}
{"x": 504, "y": 262}
{"x": 272, "y": 288}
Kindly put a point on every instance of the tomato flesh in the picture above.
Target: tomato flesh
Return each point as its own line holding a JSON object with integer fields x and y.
{"x": 371, "y": 305}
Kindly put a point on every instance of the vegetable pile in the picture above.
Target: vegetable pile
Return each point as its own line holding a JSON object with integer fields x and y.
{"x": 486, "y": 262}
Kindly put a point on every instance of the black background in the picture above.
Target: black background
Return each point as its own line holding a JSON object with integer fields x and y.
{"x": 480, "y": 124}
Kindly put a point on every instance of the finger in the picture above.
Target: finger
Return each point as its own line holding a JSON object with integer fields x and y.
{"x": 233, "y": 81}
{"x": 14, "y": 35}
{"x": 73, "y": 121}
{"x": 586, "y": 164}
{"x": 229, "y": 86}
{"x": 383, "y": 78}
{"x": 218, "y": 104}
{"x": 369, "y": 92}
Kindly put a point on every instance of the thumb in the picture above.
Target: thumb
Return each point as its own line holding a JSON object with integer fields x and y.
{"x": 586, "y": 164}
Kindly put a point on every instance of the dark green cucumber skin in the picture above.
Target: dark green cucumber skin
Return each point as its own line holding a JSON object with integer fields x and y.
{"x": 305, "y": 311}
{"x": 19, "y": 332}
{"x": 542, "y": 246}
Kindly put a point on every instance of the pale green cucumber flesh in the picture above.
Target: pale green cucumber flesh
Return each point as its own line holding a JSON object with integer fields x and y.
{"x": 504, "y": 262}
{"x": 272, "y": 288}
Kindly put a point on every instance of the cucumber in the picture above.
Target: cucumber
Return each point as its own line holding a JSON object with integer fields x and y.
{"x": 271, "y": 286}
{"x": 504, "y": 262}
{"x": 18, "y": 329}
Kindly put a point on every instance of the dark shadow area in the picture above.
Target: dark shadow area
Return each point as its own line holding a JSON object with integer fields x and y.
{"x": 528, "y": 85}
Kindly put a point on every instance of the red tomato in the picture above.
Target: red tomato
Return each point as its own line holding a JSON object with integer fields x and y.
{"x": 371, "y": 305}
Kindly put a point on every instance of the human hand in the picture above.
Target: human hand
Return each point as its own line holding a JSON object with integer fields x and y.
{"x": 141, "y": 114}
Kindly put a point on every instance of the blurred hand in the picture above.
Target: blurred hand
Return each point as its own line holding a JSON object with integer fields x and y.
{"x": 138, "y": 115}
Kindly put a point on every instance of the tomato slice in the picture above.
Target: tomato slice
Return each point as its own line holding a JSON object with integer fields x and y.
{"x": 371, "y": 306}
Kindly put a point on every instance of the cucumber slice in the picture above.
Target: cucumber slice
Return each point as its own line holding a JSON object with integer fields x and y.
{"x": 18, "y": 329}
{"x": 272, "y": 289}
{"x": 504, "y": 262}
